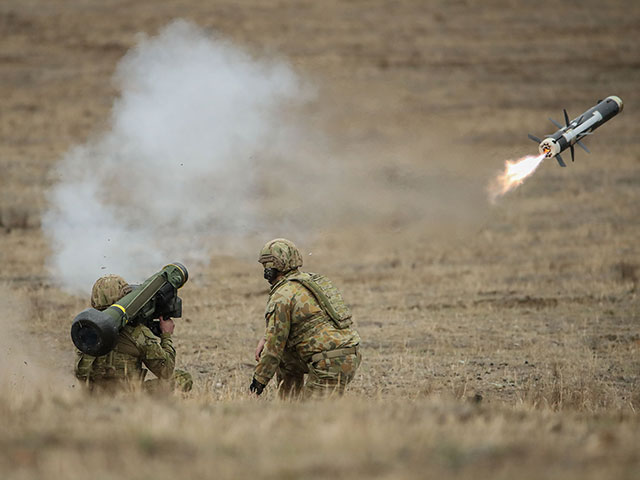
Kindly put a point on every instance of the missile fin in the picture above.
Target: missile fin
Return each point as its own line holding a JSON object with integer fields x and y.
{"x": 566, "y": 117}
{"x": 534, "y": 138}
{"x": 580, "y": 144}
{"x": 560, "y": 161}
{"x": 555, "y": 123}
{"x": 573, "y": 154}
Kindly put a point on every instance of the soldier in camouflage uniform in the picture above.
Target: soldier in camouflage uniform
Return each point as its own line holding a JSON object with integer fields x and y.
{"x": 308, "y": 329}
{"x": 136, "y": 345}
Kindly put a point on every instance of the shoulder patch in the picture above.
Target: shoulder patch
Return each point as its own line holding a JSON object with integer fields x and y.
{"x": 141, "y": 335}
{"x": 135, "y": 332}
{"x": 148, "y": 333}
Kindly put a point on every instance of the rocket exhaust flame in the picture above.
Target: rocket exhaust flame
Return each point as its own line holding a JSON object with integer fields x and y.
{"x": 563, "y": 139}
{"x": 513, "y": 175}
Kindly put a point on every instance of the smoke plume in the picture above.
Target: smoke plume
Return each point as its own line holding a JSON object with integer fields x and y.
{"x": 195, "y": 117}
{"x": 208, "y": 145}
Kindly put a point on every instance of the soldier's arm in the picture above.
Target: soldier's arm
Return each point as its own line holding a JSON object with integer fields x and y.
{"x": 84, "y": 366}
{"x": 160, "y": 357}
{"x": 277, "y": 332}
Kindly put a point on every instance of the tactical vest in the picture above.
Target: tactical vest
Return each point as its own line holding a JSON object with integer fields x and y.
{"x": 327, "y": 296}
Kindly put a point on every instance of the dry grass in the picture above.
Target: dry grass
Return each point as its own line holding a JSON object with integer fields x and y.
{"x": 135, "y": 437}
{"x": 498, "y": 343}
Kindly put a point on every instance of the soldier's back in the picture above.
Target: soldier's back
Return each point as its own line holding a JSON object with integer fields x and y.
{"x": 312, "y": 330}
{"x": 123, "y": 363}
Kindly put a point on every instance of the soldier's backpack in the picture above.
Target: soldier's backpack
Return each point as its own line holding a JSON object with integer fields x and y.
{"x": 327, "y": 295}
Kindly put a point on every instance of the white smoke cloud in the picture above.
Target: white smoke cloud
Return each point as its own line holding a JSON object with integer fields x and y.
{"x": 195, "y": 115}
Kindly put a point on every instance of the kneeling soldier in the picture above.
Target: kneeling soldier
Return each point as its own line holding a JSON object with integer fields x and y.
{"x": 309, "y": 329}
{"x": 137, "y": 345}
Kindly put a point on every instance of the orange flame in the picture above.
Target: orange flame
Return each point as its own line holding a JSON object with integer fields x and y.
{"x": 514, "y": 174}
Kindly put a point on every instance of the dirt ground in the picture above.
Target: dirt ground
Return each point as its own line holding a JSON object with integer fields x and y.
{"x": 499, "y": 341}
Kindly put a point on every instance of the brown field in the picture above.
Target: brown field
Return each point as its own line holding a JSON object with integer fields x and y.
{"x": 499, "y": 341}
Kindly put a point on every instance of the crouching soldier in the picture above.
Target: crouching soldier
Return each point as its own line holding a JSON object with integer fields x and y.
{"x": 136, "y": 346}
{"x": 308, "y": 329}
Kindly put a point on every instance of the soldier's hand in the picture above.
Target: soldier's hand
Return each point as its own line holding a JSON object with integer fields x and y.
{"x": 166, "y": 326}
{"x": 259, "y": 348}
{"x": 256, "y": 387}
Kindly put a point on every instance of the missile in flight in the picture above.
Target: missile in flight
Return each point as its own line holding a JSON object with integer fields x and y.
{"x": 576, "y": 129}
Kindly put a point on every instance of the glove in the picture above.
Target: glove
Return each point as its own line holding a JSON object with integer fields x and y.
{"x": 256, "y": 387}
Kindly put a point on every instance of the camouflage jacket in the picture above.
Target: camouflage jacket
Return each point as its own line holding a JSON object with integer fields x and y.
{"x": 136, "y": 346}
{"x": 295, "y": 322}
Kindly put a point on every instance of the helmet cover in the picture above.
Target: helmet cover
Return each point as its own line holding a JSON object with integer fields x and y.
{"x": 108, "y": 290}
{"x": 281, "y": 254}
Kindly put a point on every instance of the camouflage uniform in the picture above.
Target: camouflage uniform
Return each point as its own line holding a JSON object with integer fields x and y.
{"x": 301, "y": 337}
{"x": 137, "y": 345}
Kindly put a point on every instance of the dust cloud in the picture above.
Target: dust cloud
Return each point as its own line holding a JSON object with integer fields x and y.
{"x": 24, "y": 372}
{"x": 208, "y": 143}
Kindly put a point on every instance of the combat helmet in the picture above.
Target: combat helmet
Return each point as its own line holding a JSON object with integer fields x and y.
{"x": 108, "y": 290}
{"x": 280, "y": 254}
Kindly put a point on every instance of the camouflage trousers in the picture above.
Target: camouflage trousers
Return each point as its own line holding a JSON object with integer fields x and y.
{"x": 324, "y": 378}
{"x": 181, "y": 381}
